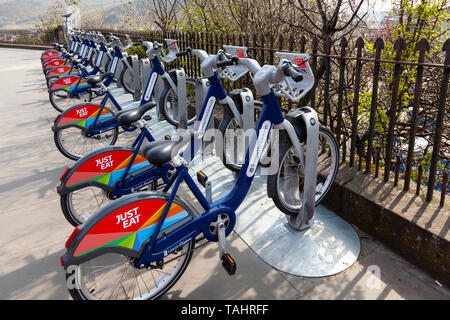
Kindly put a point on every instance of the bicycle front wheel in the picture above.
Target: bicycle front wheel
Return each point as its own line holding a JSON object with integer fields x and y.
{"x": 127, "y": 80}
{"x": 234, "y": 146}
{"x": 286, "y": 186}
{"x": 169, "y": 102}
{"x": 114, "y": 276}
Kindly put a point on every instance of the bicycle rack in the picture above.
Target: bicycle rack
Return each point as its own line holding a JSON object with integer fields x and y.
{"x": 201, "y": 90}
{"x": 180, "y": 114}
{"x": 171, "y": 55}
{"x": 136, "y": 78}
{"x": 119, "y": 69}
{"x": 234, "y": 73}
{"x": 289, "y": 88}
{"x": 144, "y": 73}
{"x": 295, "y": 91}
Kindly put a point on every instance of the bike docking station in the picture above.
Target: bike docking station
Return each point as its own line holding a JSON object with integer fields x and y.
{"x": 144, "y": 74}
{"x": 314, "y": 243}
{"x": 180, "y": 107}
{"x": 119, "y": 69}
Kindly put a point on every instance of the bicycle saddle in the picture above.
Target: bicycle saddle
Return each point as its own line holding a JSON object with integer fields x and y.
{"x": 130, "y": 116}
{"x": 158, "y": 153}
{"x": 76, "y": 62}
{"x": 96, "y": 79}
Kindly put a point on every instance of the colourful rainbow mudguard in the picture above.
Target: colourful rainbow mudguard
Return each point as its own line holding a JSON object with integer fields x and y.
{"x": 50, "y": 53}
{"x": 126, "y": 228}
{"x": 69, "y": 83}
{"x": 102, "y": 168}
{"x": 61, "y": 71}
{"x": 55, "y": 63}
{"x": 81, "y": 116}
{"x": 129, "y": 226}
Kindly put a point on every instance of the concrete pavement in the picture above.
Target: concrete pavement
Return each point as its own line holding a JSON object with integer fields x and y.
{"x": 33, "y": 230}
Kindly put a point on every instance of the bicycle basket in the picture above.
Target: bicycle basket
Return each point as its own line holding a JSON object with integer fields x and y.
{"x": 171, "y": 54}
{"x": 234, "y": 73}
{"x": 290, "y": 89}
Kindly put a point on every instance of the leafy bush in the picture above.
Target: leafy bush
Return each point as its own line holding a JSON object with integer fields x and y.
{"x": 137, "y": 50}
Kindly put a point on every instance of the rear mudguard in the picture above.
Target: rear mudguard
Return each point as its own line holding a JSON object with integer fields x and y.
{"x": 55, "y": 63}
{"x": 69, "y": 83}
{"x": 81, "y": 116}
{"x": 102, "y": 168}
{"x": 49, "y": 53}
{"x": 49, "y": 59}
{"x": 125, "y": 227}
{"x": 61, "y": 71}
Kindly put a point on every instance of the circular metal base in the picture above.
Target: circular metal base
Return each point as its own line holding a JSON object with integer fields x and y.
{"x": 328, "y": 247}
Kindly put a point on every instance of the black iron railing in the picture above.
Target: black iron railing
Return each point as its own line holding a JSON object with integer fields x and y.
{"x": 375, "y": 134}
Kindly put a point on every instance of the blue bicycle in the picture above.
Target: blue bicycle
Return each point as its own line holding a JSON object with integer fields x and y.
{"x": 64, "y": 90}
{"x": 138, "y": 246}
{"x": 111, "y": 172}
{"x": 86, "y": 127}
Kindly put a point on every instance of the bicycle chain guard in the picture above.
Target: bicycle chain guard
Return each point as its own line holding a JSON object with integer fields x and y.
{"x": 290, "y": 89}
{"x": 234, "y": 72}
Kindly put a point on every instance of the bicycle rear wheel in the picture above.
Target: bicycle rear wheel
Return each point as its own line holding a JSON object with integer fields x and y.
{"x": 61, "y": 99}
{"x": 78, "y": 206}
{"x": 114, "y": 276}
{"x": 74, "y": 144}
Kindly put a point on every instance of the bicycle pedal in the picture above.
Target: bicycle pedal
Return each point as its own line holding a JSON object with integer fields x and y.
{"x": 167, "y": 138}
{"x": 202, "y": 178}
{"x": 229, "y": 264}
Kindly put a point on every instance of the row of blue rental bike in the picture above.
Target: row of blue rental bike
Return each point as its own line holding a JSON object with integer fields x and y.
{"x": 135, "y": 232}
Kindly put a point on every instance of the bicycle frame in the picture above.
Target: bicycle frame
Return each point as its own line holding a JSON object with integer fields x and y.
{"x": 154, "y": 248}
{"x": 77, "y": 86}
{"x": 157, "y": 249}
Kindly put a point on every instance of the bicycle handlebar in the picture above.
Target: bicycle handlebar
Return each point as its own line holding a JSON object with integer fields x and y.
{"x": 290, "y": 71}
{"x": 187, "y": 52}
{"x": 234, "y": 60}
{"x": 129, "y": 45}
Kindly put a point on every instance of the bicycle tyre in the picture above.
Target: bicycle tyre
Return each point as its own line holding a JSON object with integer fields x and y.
{"x": 70, "y": 100}
{"x": 60, "y": 146}
{"x": 223, "y": 127}
{"x": 164, "y": 100}
{"x": 284, "y": 147}
{"x": 125, "y": 84}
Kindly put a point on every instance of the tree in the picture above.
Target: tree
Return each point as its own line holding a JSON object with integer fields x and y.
{"x": 53, "y": 17}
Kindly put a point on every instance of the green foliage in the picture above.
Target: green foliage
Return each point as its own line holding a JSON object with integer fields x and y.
{"x": 137, "y": 50}
{"x": 200, "y": 19}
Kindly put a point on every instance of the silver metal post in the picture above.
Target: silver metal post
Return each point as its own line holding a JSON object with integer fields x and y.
{"x": 180, "y": 109}
{"x": 306, "y": 213}
{"x": 136, "y": 78}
